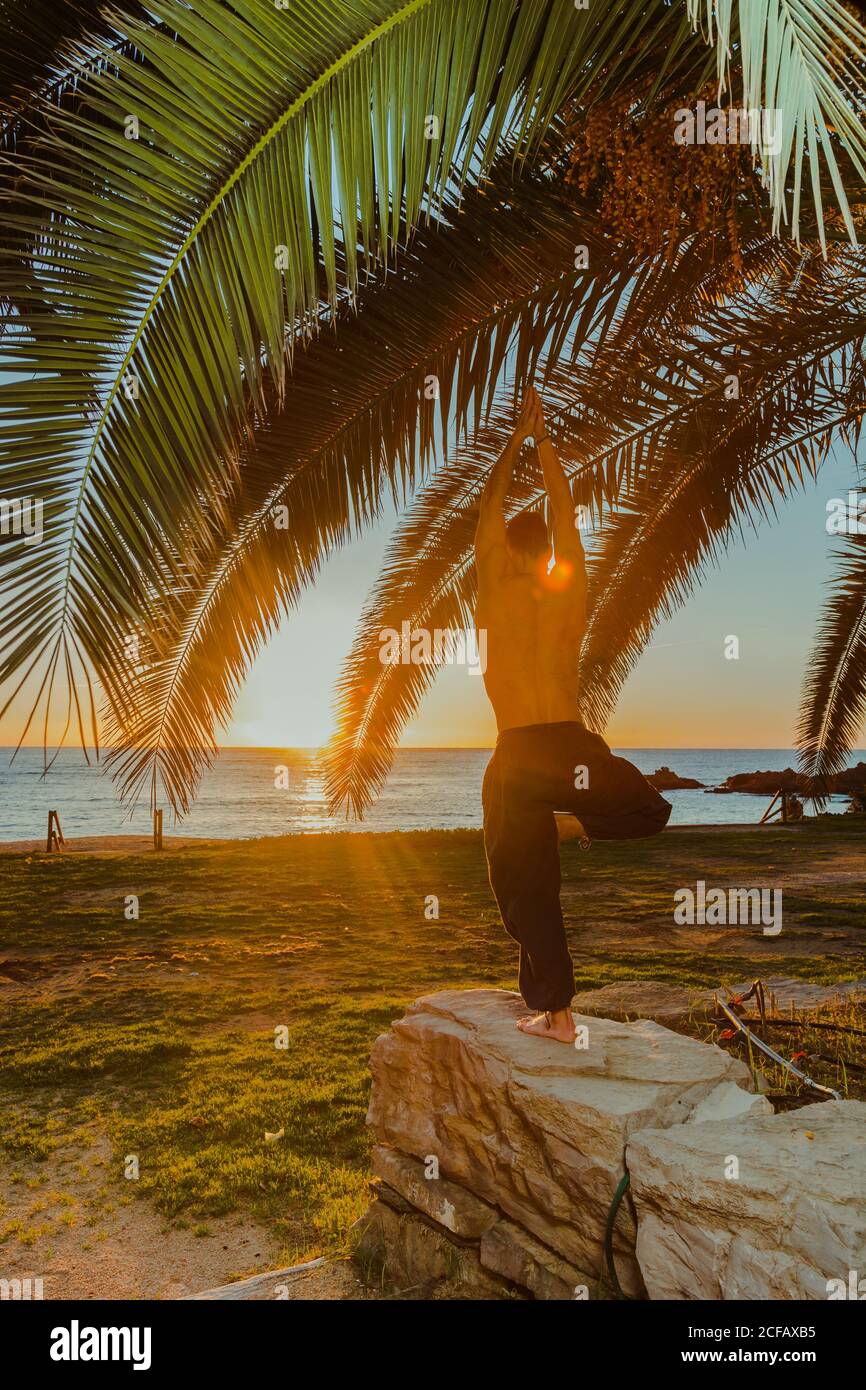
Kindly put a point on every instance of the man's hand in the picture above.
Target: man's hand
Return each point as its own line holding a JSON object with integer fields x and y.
{"x": 531, "y": 419}
{"x": 526, "y": 419}
{"x": 539, "y": 429}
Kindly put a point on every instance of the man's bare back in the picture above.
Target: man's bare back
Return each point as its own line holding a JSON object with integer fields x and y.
{"x": 533, "y": 638}
{"x": 533, "y": 616}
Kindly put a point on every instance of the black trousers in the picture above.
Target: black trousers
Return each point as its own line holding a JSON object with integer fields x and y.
{"x": 536, "y": 770}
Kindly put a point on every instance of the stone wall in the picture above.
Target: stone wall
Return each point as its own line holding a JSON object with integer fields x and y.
{"x": 498, "y": 1156}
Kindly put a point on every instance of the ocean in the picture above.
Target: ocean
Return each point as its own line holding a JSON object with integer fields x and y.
{"x": 429, "y": 788}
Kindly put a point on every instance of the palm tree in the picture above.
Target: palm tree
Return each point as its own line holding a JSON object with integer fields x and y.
{"x": 241, "y": 239}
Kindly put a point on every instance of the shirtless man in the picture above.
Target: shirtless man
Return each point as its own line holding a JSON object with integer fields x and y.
{"x": 545, "y": 760}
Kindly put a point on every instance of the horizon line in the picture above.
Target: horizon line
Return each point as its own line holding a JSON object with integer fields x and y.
{"x": 453, "y": 747}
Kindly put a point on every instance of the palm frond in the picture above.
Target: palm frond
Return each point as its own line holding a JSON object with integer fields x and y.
{"x": 801, "y": 62}
{"x": 42, "y": 43}
{"x": 833, "y": 703}
{"x": 801, "y": 379}
{"x": 46, "y": 54}
{"x": 174, "y": 269}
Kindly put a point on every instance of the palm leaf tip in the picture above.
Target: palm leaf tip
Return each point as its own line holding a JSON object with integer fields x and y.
{"x": 833, "y": 702}
{"x": 802, "y": 64}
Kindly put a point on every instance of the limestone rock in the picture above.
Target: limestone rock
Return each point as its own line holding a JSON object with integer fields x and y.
{"x": 793, "y": 1219}
{"x": 666, "y": 1003}
{"x": 444, "y": 1202}
{"x": 727, "y": 1102}
{"x": 416, "y": 1255}
{"x": 787, "y": 993}
{"x": 674, "y": 1004}
{"x": 508, "y": 1250}
{"x": 536, "y": 1128}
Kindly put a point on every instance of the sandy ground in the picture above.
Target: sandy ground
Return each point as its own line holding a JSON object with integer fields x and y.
{"x": 132, "y": 1252}
{"x": 569, "y": 829}
{"x": 94, "y": 1244}
{"x": 109, "y": 844}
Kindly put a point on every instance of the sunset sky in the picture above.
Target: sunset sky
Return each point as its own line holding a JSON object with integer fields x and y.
{"x": 684, "y": 693}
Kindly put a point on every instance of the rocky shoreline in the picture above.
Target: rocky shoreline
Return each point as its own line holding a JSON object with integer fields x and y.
{"x": 851, "y": 782}
{"x": 665, "y": 780}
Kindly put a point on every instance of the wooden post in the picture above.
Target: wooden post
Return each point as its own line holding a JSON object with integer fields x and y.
{"x": 55, "y": 840}
{"x": 157, "y": 829}
{"x": 769, "y": 813}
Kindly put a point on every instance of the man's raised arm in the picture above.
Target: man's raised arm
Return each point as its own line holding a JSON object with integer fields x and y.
{"x": 566, "y": 533}
{"x": 490, "y": 534}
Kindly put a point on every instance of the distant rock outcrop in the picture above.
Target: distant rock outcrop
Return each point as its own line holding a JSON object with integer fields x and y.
{"x": 665, "y": 780}
{"x": 852, "y": 780}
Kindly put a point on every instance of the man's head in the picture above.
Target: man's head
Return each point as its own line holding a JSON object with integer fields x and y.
{"x": 527, "y": 540}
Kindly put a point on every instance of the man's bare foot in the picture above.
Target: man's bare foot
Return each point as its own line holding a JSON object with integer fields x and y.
{"x": 557, "y": 1026}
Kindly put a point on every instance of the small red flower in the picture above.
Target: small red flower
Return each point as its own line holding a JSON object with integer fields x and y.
{"x": 728, "y": 1033}
{"x": 797, "y": 1056}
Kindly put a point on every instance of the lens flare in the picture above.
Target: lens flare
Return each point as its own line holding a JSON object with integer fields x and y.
{"x": 560, "y": 575}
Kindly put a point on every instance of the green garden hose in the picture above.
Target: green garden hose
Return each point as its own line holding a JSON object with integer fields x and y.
{"x": 608, "y": 1234}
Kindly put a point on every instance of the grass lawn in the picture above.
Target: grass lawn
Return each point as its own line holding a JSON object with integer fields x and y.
{"x": 160, "y": 1034}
